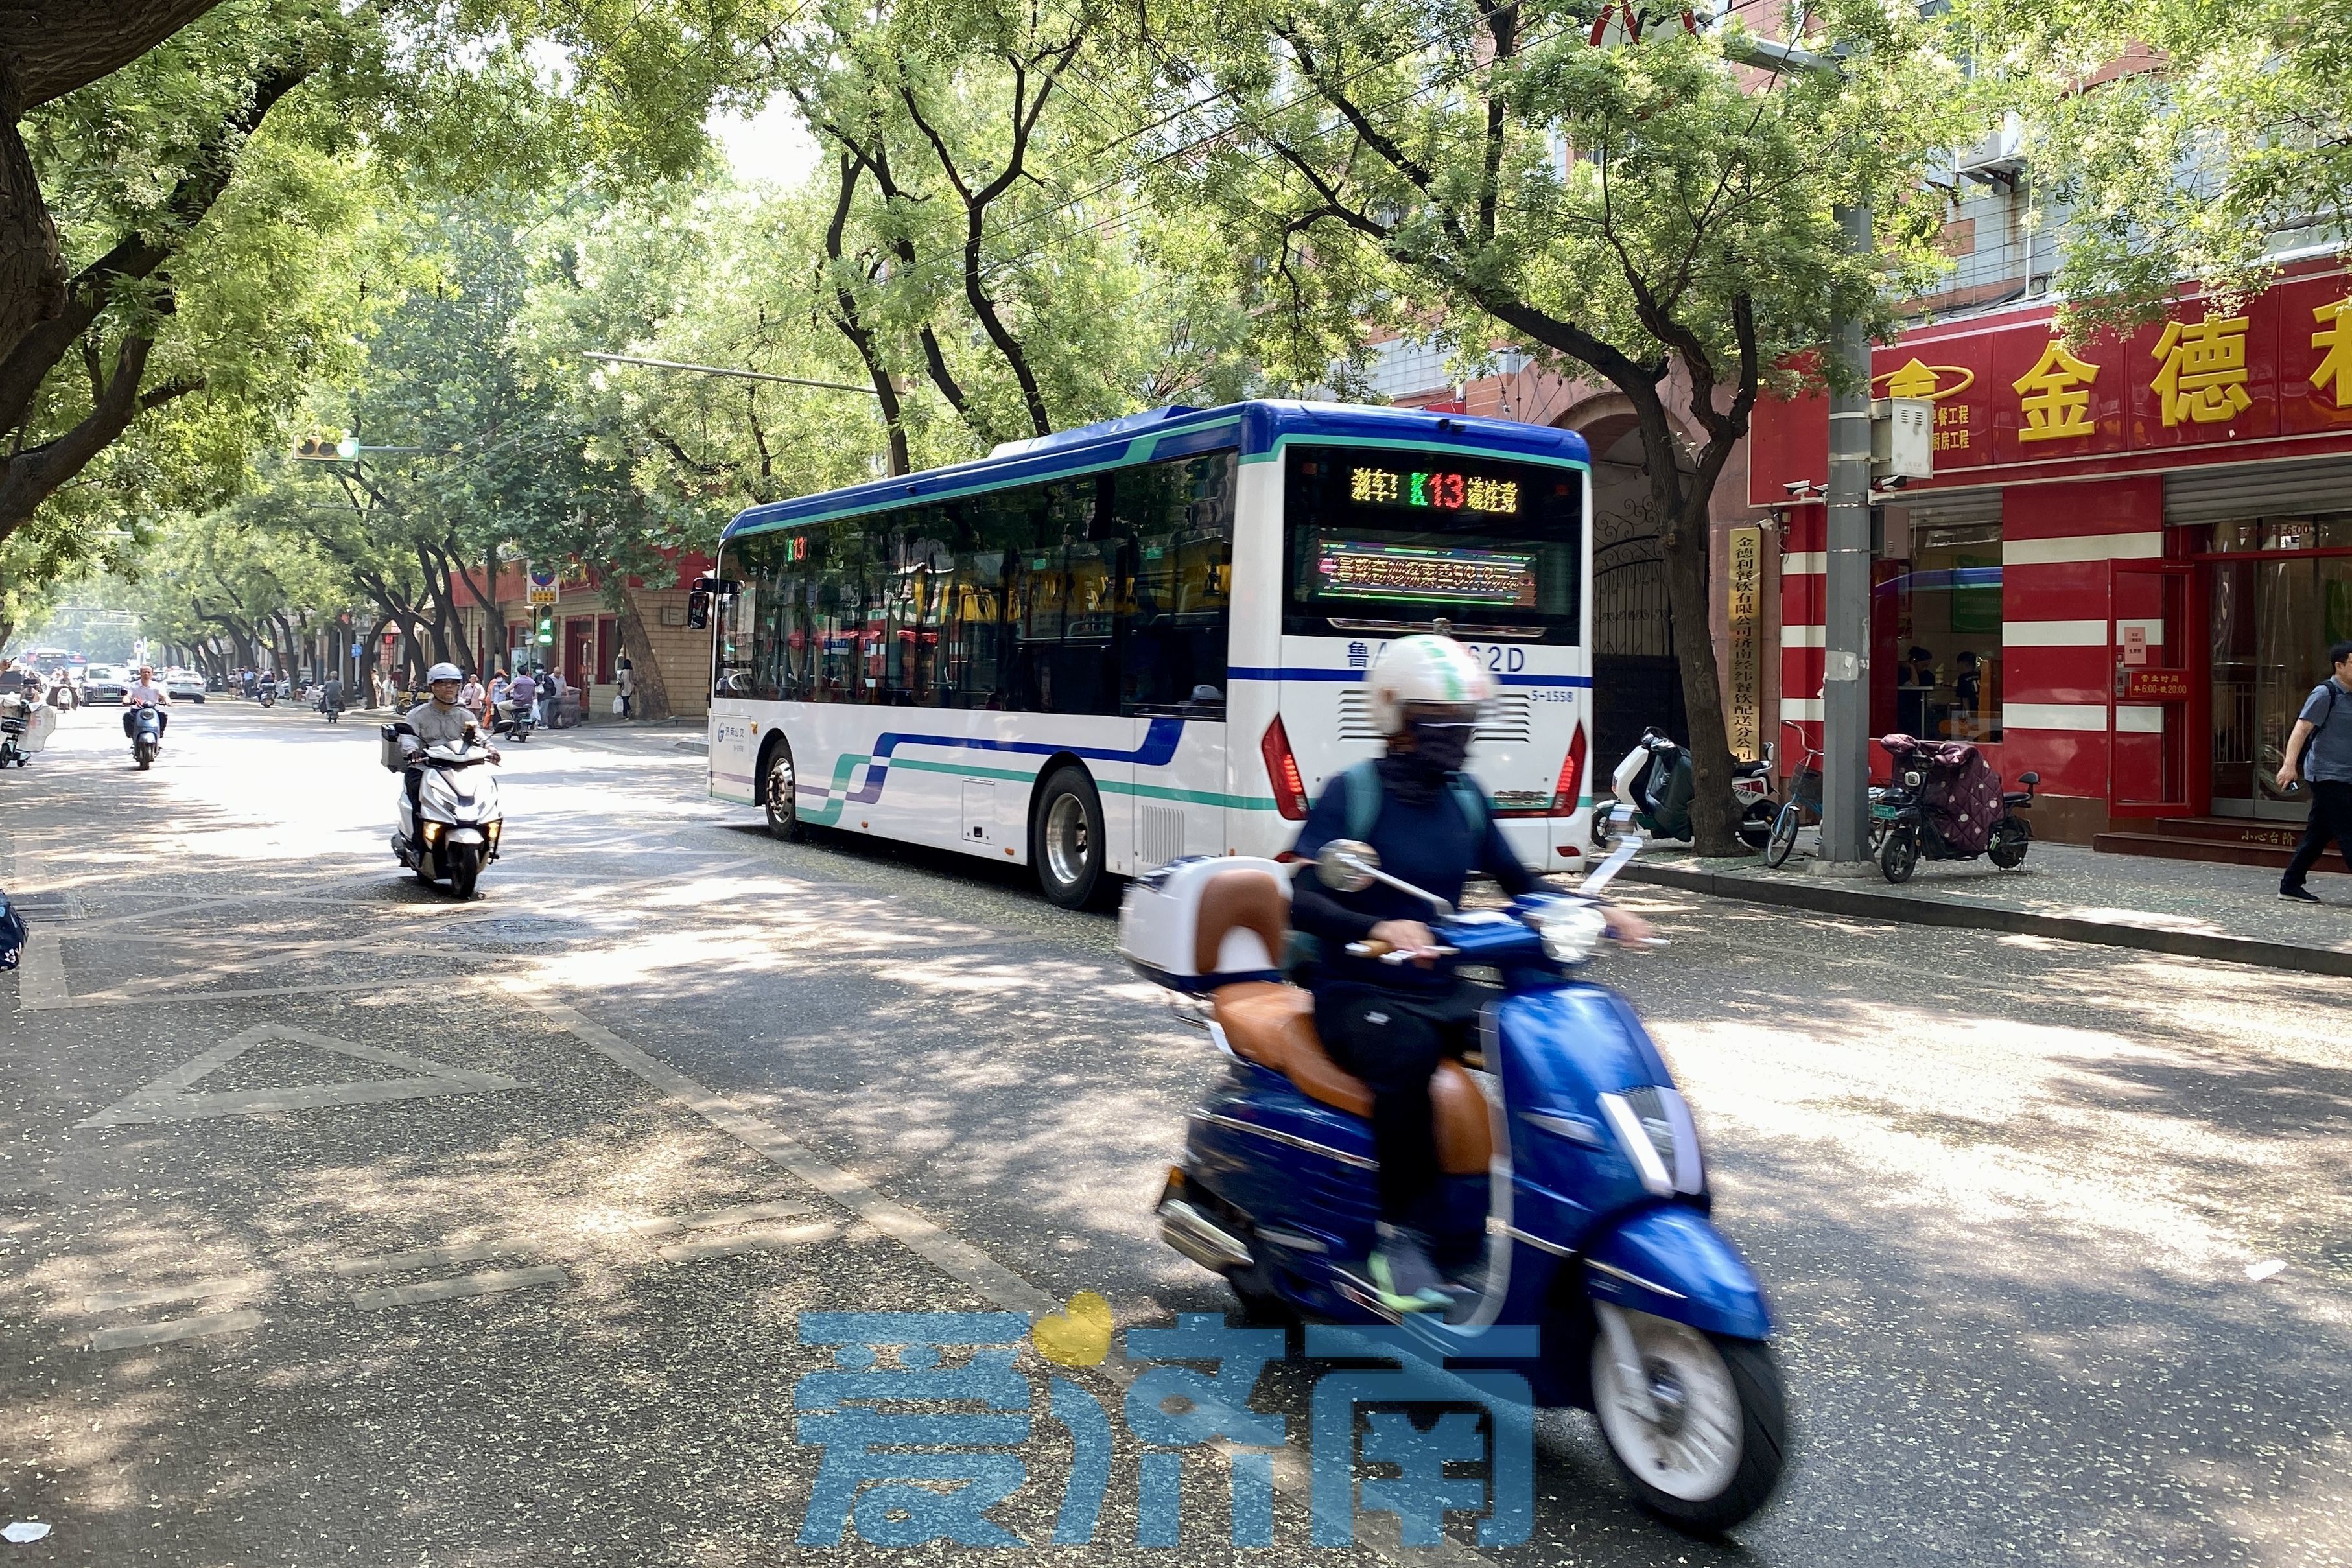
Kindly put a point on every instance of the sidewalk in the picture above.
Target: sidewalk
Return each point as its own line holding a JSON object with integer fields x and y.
{"x": 2065, "y": 890}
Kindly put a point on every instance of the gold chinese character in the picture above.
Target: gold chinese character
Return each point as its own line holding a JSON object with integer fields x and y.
{"x": 2055, "y": 395}
{"x": 2204, "y": 373}
{"x": 1373, "y": 485}
{"x": 2335, "y": 337}
{"x": 1914, "y": 380}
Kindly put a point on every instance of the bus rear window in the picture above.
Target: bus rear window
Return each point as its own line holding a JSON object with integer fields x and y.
{"x": 1389, "y": 541}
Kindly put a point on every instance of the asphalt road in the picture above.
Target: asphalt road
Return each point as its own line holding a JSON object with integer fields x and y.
{"x": 343, "y": 1223}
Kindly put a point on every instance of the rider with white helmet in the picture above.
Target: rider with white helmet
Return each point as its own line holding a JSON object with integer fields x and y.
{"x": 438, "y": 721}
{"x": 1390, "y": 1024}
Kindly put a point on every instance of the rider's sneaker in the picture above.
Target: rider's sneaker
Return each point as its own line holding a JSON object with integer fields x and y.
{"x": 1402, "y": 1276}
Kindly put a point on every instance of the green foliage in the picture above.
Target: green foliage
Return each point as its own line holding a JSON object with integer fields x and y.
{"x": 2173, "y": 140}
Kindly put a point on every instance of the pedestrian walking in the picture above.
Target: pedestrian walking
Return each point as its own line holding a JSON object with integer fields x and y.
{"x": 625, "y": 674}
{"x": 2319, "y": 751}
{"x": 469, "y": 697}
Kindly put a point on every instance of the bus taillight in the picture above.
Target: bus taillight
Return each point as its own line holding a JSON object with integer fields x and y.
{"x": 1572, "y": 774}
{"x": 1289, "y": 787}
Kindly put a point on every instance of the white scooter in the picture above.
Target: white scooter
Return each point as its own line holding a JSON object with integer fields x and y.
{"x": 1656, "y": 780}
{"x": 453, "y": 831}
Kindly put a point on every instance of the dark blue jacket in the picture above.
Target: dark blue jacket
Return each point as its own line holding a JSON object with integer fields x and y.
{"x": 1431, "y": 845}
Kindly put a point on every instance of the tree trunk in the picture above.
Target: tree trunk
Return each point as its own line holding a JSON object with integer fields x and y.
{"x": 653, "y": 687}
{"x": 1688, "y": 542}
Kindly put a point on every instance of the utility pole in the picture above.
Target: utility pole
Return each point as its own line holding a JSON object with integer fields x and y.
{"x": 1845, "y": 621}
{"x": 1845, "y": 632}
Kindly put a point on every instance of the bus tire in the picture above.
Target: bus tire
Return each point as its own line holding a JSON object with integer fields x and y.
{"x": 779, "y": 791}
{"x": 1067, "y": 843}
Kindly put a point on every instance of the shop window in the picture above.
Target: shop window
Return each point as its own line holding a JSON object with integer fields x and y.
{"x": 1939, "y": 630}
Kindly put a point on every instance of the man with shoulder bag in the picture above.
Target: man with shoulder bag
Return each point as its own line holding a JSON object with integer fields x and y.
{"x": 2319, "y": 748}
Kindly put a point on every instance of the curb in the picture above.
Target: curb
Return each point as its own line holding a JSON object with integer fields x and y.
{"x": 1799, "y": 893}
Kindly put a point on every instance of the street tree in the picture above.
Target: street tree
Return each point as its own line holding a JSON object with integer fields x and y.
{"x": 2171, "y": 139}
{"x": 182, "y": 181}
{"x": 1654, "y": 216}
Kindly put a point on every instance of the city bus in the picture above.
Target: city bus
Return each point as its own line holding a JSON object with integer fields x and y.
{"x": 1102, "y": 649}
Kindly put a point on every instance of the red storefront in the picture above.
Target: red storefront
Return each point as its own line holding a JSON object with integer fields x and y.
{"x": 2128, "y": 567}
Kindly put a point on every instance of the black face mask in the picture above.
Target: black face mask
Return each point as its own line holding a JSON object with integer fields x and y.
{"x": 1438, "y": 749}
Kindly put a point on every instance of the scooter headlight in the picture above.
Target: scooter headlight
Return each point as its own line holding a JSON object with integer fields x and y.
{"x": 433, "y": 832}
{"x": 1570, "y": 931}
{"x": 1654, "y": 1126}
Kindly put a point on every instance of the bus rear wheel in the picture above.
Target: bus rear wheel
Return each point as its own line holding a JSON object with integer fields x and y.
{"x": 1067, "y": 840}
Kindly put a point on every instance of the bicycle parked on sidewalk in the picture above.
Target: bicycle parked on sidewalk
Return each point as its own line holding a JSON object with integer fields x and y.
{"x": 1802, "y": 809}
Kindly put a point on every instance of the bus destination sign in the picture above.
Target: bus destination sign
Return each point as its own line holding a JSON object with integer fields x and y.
{"x": 1444, "y": 491}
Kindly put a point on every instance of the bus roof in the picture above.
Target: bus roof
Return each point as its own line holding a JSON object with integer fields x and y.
{"x": 1255, "y": 428}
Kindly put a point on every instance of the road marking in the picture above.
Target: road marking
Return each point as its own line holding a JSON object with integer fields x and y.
{"x": 121, "y": 1000}
{"x": 40, "y": 972}
{"x": 670, "y": 1224}
{"x": 431, "y": 1258}
{"x": 958, "y": 1258}
{"x": 168, "y": 1099}
{"x": 133, "y": 1335}
{"x": 766, "y": 1240}
{"x": 156, "y": 1296}
{"x": 489, "y": 1282}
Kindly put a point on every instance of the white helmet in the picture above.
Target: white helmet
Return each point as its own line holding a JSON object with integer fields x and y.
{"x": 1423, "y": 668}
{"x": 443, "y": 673}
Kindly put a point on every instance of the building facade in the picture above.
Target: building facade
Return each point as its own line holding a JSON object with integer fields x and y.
{"x": 2128, "y": 567}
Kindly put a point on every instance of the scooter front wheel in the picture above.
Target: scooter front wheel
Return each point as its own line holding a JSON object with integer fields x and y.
{"x": 1699, "y": 1429}
{"x": 1898, "y": 853}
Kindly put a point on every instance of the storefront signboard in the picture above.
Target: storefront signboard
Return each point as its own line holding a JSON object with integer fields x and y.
{"x": 2009, "y": 391}
{"x": 1746, "y": 592}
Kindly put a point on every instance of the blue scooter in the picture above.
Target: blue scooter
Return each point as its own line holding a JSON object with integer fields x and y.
{"x": 1575, "y": 1200}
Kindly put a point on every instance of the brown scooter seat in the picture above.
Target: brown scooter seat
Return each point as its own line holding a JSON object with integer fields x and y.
{"x": 1273, "y": 1025}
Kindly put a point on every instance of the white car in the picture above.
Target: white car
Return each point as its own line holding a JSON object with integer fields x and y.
{"x": 183, "y": 686}
{"x": 103, "y": 685}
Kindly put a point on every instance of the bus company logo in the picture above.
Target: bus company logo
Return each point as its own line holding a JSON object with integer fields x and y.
{"x": 1916, "y": 379}
{"x": 894, "y": 1469}
{"x": 734, "y": 732}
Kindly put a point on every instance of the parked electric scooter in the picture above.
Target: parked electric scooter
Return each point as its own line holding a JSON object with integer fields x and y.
{"x": 146, "y": 735}
{"x": 24, "y": 728}
{"x": 456, "y": 832}
{"x": 1656, "y": 780}
{"x": 1575, "y": 1197}
{"x": 1945, "y": 803}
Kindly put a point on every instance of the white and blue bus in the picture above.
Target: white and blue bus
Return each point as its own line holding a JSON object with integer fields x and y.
{"x": 1099, "y": 651}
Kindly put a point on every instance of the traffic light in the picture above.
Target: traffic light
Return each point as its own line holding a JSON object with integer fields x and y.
{"x": 322, "y": 449}
{"x": 547, "y": 629}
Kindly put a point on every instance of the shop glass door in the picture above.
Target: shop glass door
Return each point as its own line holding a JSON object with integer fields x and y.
{"x": 2273, "y": 614}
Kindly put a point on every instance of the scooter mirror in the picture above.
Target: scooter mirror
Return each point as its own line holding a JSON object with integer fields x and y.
{"x": 1346, "y": 865}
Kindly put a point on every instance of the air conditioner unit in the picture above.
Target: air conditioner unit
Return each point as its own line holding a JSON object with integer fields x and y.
{"x": 1996, "y": 159}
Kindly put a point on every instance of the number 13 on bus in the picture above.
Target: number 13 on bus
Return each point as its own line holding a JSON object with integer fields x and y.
{"x": 1103, "y": 650}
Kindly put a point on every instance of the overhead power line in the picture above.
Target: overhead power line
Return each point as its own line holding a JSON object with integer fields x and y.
{"x": 723, "y": 370}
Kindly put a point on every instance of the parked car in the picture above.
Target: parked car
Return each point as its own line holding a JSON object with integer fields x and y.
{"x": 103, "y": 684}
{"x": 184, "y": 686}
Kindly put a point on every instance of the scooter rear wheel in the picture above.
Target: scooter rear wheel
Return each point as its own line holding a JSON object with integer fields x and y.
{"x": 1704, "y": 1449}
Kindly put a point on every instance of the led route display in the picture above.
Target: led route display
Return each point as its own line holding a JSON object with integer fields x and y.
{"x": 1446, "y": 492}
{"x": 1360, "y": 569}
